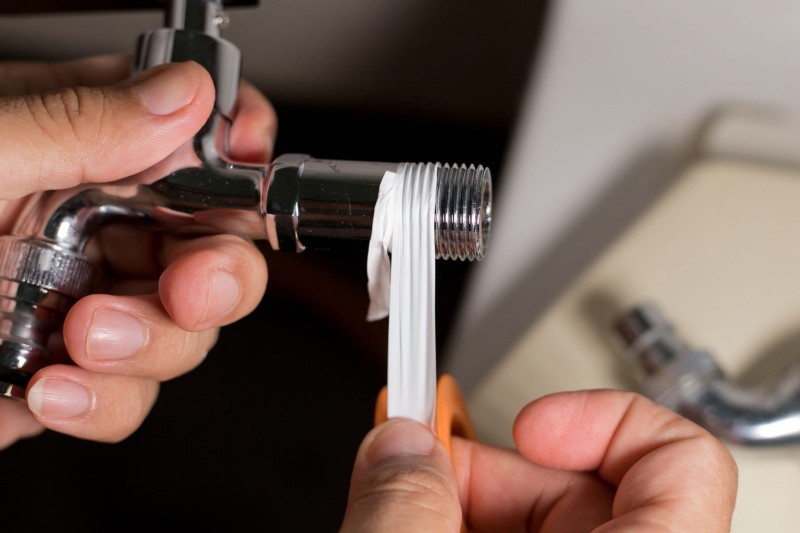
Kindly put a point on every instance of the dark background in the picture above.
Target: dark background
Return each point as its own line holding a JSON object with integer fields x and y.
{"x": 66, "y": 6}
{"x": 262, "y": 435}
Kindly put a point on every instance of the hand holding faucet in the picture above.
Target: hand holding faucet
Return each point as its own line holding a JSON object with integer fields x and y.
{"x": 80, "y": 122}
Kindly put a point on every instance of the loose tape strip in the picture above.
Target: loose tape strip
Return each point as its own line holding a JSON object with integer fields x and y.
{"x": 404, "y": 288}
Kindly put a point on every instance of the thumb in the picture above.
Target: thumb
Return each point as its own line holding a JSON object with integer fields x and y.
{"x": 74, "y": 135}
{"x": 402, "y": 481}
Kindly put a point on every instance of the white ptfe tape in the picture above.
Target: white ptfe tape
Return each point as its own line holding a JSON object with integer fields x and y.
{"x": 405, "y": 287}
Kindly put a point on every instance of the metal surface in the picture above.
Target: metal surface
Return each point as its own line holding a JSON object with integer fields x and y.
{"x": 690, "y": 382}
{"x": 296, "y": 202}
{"x": 463, "y": 216}
{"x": 316, "y": 202}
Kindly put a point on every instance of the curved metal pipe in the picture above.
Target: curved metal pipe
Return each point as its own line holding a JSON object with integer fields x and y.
{"x": 690, "y": 382}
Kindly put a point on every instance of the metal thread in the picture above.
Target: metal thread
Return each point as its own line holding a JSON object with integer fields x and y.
{"x": 649, "y": 338}
{"x": 29, "y": 315}
{"x": 38, "y": 284}
{"x": 463, "y": 215}
{"x": 38, "y": 263}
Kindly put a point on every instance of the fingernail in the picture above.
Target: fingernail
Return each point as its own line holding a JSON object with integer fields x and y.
{"x": 224, "y": 292}
{"x": 114, "y": 335}
{"x": 401, "y": 436}
{"x": 165, "y": 90}
{"x": 58, "y": 398}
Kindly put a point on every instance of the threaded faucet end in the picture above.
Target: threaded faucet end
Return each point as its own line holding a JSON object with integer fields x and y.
{"x": 463, "y": 215}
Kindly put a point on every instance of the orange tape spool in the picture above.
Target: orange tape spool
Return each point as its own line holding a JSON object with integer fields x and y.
{"x": 452, "y": 417}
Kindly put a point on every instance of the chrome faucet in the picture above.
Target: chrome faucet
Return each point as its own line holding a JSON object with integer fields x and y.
{"x": 690, "y": 382}
{"x": 295, "y": 202}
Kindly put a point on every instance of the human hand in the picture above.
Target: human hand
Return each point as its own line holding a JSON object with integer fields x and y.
{"x": 82, "y": 122}
{"x": 598, "y": 460}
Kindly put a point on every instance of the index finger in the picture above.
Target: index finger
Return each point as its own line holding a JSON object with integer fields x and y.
{"x": 667, "y": 469}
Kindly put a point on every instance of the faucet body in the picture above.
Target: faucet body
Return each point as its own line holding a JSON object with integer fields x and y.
{"x": 690, "y": 382}
{"x": 294, "y": 202}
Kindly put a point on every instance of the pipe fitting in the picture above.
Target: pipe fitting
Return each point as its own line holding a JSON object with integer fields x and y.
{"x": 690, "y": 382}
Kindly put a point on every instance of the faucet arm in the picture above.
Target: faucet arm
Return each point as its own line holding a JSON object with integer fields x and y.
{"x": 73, "y": 223}
{"x": 745, "y": 416}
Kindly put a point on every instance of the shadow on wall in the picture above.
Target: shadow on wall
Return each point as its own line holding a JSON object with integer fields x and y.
{"x": 455, "y": 60}
{"x": 638, "y": 184}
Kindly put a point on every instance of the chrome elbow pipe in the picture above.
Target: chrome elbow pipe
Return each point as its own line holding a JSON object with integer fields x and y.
{"x": 691, "y": 383}
{"x": 295, "y": 202}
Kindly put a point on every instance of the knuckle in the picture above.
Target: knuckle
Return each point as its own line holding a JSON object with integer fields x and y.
{"x": 719, "y": 455}
{"x": 415, "y": 483}
{"x": 74, "y": 111}
{"x": 73, "y": 120}
{"x": 191, "y": 352}
{"x": 129, "y": 411}
{"x": 187, "y": 351}
{"x": 398, "y": 491}
{"x": 716, "y": 466}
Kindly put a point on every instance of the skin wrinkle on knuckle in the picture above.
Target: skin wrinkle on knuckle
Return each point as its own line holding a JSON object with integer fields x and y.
{"x": 547, "y": 501}
{"x": 672, "y": 426}
{"x": 175, "y": 351}
{"x": 412, "y": 483}
{"x": 633, "y": 402}
{"x": 36, "y": 106}
{"x": 161, "y": 336}
{"x": 536, "y": 516}
{"x": 86, "y": 112}
{"x": 386, "y": 501}
{"x": 717, "y": 462}
{"x": 703, "y": 461}
{"x": 190, "y": 353}
{"x": 645, "y": 520}
{"x": 128, "y": 405}
{"x": 70, "y": 118}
